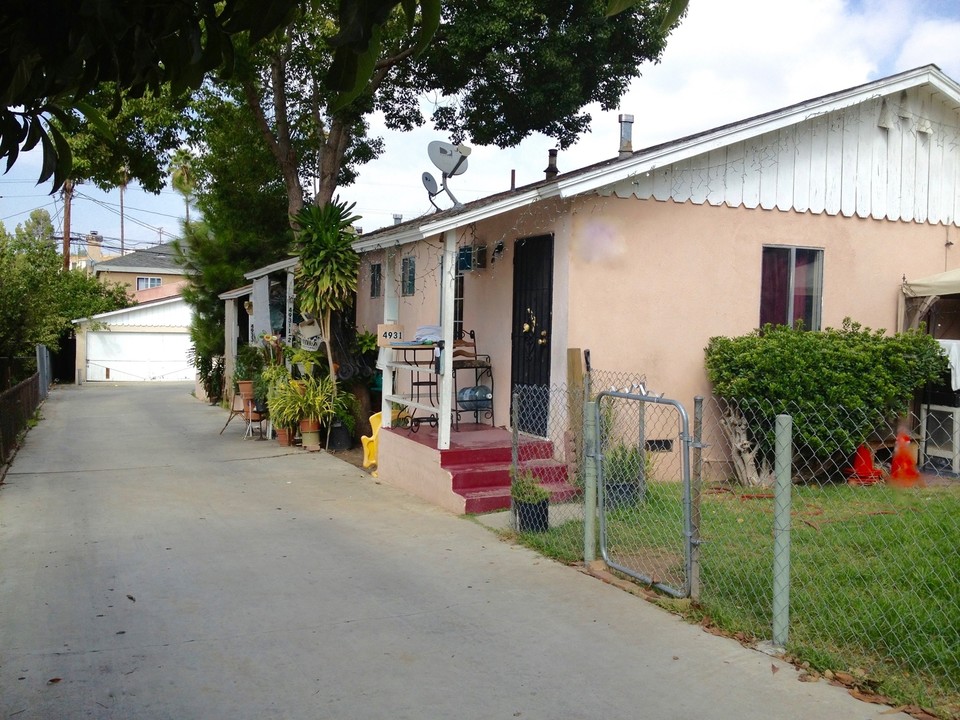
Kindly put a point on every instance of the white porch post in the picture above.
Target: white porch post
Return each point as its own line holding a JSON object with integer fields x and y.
{"x": 231, "y": 336}
{"x": 391, "y": 314}
{"x": 261, "y": 307}
{"x": 291, "y": 298}
{"x": 448, "y": 284}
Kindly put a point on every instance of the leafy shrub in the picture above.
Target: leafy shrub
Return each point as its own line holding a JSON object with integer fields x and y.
{"x": 867, "y": 374}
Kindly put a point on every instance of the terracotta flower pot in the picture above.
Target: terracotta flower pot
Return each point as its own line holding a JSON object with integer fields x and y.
{"x": 246, "y": 388}
{"x": 284, "y": 436}
{"x": 309, "y": 425}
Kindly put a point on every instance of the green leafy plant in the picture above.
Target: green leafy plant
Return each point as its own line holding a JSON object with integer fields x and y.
{"x": 366, "y": 342}
{"x": 285, "y": 403}
{"x": 345, "y": 409}
{"x": 524, "y": 488}
{"x": 249, "y": 363}
{"x": 306, "y": 360}
{"x": 316, "y": 399}
{"x": 326, "y": 276}
{"x": 869, "y": 375}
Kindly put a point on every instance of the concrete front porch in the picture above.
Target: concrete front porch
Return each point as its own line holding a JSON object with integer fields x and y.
{"x": 473, "y": 475}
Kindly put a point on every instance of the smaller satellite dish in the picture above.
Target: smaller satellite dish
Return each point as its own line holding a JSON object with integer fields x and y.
{"x": 429, "y": 183}
{"x": 448, "y": 158}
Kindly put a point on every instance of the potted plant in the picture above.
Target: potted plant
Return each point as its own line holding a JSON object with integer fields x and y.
{"x": 626, "y": 469}
{"x": 283, "y": 402}
{"x": 343, "y": 422}
{"x": 249, "y": 364}
{"x": 315, "y": 399}
{"x": 531, "y": 503}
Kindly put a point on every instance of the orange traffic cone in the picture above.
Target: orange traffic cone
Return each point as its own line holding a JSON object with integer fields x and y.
{"x": 863, "y": 471}
{"x": 903, "y": 468}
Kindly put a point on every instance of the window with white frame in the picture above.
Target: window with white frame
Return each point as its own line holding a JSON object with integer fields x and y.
{"x": 408, "y": 276}
{"x": 145, "y": 283}
{"x": 376, "y": 280}
{"x": 791, "y": 286}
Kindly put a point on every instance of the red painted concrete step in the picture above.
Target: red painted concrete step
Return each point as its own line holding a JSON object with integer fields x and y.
{"x": 486, "y": 486}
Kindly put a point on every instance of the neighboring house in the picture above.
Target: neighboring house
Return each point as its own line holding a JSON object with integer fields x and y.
{"x": 813, "y": 212}
{"x": 146, "y": 342}
{"x": 143, "y": 271}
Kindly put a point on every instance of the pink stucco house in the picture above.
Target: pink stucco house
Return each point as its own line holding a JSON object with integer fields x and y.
{"x": 817, "y": 211}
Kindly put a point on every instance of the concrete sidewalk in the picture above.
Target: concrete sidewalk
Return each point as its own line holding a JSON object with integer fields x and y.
{"x": 154, "y": 569}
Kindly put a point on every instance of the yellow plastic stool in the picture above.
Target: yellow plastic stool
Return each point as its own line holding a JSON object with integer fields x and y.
{"x": 370, "y": 442}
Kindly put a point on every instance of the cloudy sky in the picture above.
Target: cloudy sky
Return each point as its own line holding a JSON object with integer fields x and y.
{"x": 727, "y": 61}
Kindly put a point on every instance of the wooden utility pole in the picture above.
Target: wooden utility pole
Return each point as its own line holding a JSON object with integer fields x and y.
{"x": 67, "y": 198}
{"x": 124, "y": 179}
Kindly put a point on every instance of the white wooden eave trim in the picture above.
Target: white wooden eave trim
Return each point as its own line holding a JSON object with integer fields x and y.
{"x": 643, "y": 162}
{"x": 287, "y": 264}
{"x": 236, "y": 293}
{"x": 467, "y": 216}
{"x": 133, "y": 308}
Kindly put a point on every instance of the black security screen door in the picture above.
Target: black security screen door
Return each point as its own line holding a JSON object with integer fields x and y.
{"x": 531, "y": 330}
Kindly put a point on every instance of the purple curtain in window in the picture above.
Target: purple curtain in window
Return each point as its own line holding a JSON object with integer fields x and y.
{"x": 774, "y": 286}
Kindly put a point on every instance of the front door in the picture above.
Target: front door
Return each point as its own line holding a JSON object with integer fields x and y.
{"x": 531, "y": 331}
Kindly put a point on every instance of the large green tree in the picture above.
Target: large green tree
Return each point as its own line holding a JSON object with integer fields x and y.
{"x": 54, "y": 53}
{"x": 38, "y": 300}
{"x": 501, "y": 70}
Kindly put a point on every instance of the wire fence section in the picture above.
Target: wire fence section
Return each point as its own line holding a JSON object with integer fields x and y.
{"x": 552, "y": 449}
{"x": 874, "y": 540}
{"x": 872, "y": 520}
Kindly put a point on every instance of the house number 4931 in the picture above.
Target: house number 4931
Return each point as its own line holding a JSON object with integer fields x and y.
{"x": 387, "y": 334}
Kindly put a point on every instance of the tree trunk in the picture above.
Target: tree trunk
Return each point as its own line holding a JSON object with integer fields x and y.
{"x": 743, "y": 452}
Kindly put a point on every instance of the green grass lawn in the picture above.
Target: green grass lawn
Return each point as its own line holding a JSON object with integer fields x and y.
{"x": 875, "y": 576}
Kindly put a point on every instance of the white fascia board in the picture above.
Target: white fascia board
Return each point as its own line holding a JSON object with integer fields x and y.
{"x": 132, "y": 308}
{"x": 407, "y": 234}
{"x": 675, "y": 152}
{"x": 236, "y": 293}
{"x": 452, "y": 222}
{"x": 279, "y": 265}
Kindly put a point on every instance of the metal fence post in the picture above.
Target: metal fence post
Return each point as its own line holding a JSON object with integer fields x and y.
{"x": 514, "y": 439}
{"x": 783, "y": 461}
{"x": 696, "y": 490}
{"x": 589, "y": 468}
{"x": 590, "y": 481}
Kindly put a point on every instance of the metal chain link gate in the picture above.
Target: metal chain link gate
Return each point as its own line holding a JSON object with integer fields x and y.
{"x": 644, "y": 489}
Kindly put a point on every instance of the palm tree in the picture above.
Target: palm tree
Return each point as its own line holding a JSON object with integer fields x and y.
{"x": 182, "y": 176}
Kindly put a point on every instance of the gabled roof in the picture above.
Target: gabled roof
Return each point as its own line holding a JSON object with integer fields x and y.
{"x": 608, "y": 173}
{"x": 178, "y": 300}
{"x": 160, "y": 259}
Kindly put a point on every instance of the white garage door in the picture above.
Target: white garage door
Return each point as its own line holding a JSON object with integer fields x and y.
{"x": 138, "y": 356}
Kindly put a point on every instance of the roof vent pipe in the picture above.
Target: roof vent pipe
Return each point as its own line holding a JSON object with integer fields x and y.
{"x": 551, "y": 170}
{"x": 626, "y": 136}
{"x": 397, "y": 219}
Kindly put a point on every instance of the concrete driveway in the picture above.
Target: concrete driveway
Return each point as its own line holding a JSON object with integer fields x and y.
{"x": 151, "y": 568}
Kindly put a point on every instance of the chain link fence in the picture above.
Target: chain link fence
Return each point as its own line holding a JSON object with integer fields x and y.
{"x": 870, "y": 570}
{"x": 874, "y": 545}
{"x": 553, "y": 452}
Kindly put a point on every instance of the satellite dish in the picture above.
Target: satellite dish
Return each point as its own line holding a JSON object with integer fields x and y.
{"x": 449, "y": 159}
{"x": 430, "y": 184}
